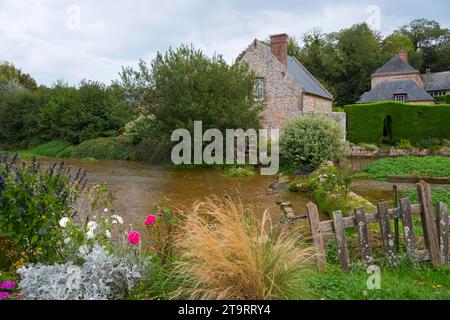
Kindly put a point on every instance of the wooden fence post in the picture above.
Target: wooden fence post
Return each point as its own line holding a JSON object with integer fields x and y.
{"x": 442, "y": 228}
{"x": 408, "y": 229}
{"x": 363, "y": 235}
{"x": 314, "y": 224}
{"x": 386, "y": 232}
{"x": 339, "y": 230}
{"x": 428, "y": 222}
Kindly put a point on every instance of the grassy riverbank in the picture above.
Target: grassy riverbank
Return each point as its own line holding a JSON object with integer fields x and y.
{"x": 407, "y": 166}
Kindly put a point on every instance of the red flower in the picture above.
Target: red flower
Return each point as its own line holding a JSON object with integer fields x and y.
{"x": 150, "y": 220}
{"x": 134, "y": 237}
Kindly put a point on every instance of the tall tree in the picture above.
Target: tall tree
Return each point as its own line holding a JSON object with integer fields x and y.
{"x": 393, "y": 43}
{"x": 432, "y": 40}
{"x": 10, "y": 74}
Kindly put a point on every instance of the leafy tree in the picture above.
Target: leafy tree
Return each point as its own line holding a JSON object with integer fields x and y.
{"x": 358, "y": 53}
{"x": 433, "y": 41}
{"x": 137, "y": 86}
{"x": 91, "y": 111}
{"x": 9, "y": 73}
{"x": 190, "y": 86}
{"x": 393, "y": 43}
{"x": 19, "y": 109}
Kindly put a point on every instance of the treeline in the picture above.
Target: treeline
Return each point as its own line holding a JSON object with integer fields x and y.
{"x": 134, "y": 117}
{"x": 32, "y": 116}
{"x": 343, "y": 61}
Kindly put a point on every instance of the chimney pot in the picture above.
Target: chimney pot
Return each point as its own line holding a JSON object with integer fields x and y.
{"x": 279, "y": 46}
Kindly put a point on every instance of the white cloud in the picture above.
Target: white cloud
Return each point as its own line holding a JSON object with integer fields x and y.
{"x": 34, "y": 33}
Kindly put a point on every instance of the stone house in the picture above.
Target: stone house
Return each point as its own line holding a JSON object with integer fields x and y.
{"x": 285, "y": 86}
{"x": 398, "y": 81}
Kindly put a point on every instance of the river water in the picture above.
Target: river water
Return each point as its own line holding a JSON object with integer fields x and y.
{"x": 138, "y": 186}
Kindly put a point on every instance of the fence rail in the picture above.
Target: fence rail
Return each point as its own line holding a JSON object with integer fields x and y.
{"x": 435, "y": 230}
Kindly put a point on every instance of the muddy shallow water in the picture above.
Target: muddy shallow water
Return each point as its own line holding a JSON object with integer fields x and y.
{"x": 138, "y": 186}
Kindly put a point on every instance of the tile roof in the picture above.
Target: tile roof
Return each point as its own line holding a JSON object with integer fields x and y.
{"x": 436, "y": 81}
{"x": 309, "y": 83}
{"x": 395, "y": 65}
{"x": 385, "y": 91}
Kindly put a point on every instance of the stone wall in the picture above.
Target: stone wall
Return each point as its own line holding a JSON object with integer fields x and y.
{"x": 315, "y": 104}
{"x": 361, "y": 152}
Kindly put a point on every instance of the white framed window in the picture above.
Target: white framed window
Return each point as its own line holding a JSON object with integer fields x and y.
{"x": 400, "y": 97}
{"x": 438, "y": 93}
{"x": 259, "y": 89}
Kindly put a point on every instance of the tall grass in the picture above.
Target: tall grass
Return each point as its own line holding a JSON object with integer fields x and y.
{"x": 229, "y": 253}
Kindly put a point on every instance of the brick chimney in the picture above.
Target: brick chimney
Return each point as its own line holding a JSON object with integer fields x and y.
{"x": 279, "y": 45}
{"x": 403, "y": 55}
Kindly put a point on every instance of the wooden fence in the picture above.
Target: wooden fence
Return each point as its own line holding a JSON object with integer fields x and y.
{"x": 435, "y": 230}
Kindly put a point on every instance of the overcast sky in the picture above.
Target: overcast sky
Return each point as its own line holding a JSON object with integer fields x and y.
{"x": 85, "y": 39}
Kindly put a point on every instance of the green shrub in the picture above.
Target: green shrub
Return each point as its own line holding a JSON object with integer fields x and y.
{"x": 412, "y": 122}
{"x": 104, "y": 149}
{"x": 311, "y": 140}
{"x": 404, "y": 144}
{"x": 246, "y": 171}
{"x": 154, "y": 150}
{"x": 33, "y": 199}
{"x": 138, "y": 129}
{"x": 330, "y": 188}
{"x": 55, "y": 149}
{"x": 430, "y": 143}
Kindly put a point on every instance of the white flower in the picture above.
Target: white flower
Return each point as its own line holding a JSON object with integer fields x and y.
{"x": 106, "y": 210}
{"x": 92, "y": 225}
{"x": 63, "y": 222}
{"x": 117, "y": 219}
{"x": 90, "y": 234}
{"x": 108, "y": 234}
{"x": 67, "y": 241}
{"x": 83, "y": 250}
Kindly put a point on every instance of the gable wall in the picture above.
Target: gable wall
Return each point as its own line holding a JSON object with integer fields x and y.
{"x": 315, "y": 104}
{"x": 283, "y": 95}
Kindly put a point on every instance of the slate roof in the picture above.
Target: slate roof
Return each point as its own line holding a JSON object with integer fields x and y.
{"x": 437, "y": 81}
{"x": 395, "y": 65}
{"x": 309, "y": 83}
{"x": 385, "y": 91}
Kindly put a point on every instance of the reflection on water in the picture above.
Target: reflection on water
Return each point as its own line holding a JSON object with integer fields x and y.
{"x": 137, "y": 186}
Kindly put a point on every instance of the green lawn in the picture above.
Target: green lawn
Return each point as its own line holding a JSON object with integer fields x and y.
{"x": 407, "y": 166}
{"x": 399, "y": 283}
{"x": 438, "y": 195}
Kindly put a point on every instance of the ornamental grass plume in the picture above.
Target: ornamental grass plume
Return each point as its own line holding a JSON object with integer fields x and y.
{"x": 227, "y": 252}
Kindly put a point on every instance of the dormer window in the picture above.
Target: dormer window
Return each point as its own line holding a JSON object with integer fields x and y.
{"x": 259, "y": 89}
{"x": 400, "y": 97}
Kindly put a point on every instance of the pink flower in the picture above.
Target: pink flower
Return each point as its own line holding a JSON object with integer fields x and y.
{"x": 9, "y": 285}
{"x": 134, "y": 237}
{"x": 3, "y": 295}
{"x": 150, "y": 220}
{"x": 160, "y": 211}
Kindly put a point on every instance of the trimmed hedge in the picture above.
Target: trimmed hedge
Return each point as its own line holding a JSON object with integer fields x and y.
{"x": 443, "y": 99}
{"x": 409, "y": 121}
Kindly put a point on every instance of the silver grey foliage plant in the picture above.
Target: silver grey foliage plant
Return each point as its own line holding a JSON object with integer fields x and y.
{"x": 102, "y": 276}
